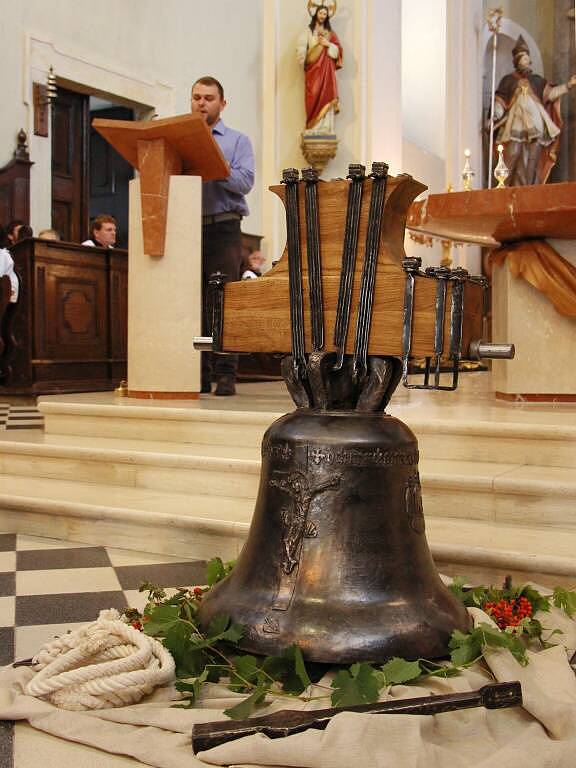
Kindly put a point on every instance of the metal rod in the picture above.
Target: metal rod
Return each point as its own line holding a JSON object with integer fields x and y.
{"x": 310, "y": 177}
{"x": 492, "y": 102}
{"x": 356, "y": 174}
{"x": 379, "y": 177}
{"x": 290, "y": 179}
{"x": 288, "y": 722}
{"x": 485, "y": 350}
{"x": 203, "y": 343}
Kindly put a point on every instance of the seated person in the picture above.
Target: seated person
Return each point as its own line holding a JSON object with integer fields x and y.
{"x": 255, "y": 263}
{"x": 49, "y": 234}
{"x": 7, "y": 268}
{"x": 13, "y": 230}
{"x": 24, "y": 231}
{"x": 102, "y": 232}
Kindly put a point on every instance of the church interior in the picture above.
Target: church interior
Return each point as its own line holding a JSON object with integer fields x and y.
{"x": 121, "y": 464}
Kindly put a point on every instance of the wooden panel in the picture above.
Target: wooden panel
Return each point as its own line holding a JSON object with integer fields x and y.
{"x": 109, "y": 176}
{"x": 268, "y": 297}
{"x": 69, "y": 165}
{"x": 70, "y": 320}
{"x": 15, "y": 184}
{"x": 118, "y": 291}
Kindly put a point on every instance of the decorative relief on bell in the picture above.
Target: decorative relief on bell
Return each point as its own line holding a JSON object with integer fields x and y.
{"x": 295, "y": 517}
{"x": 271, "y": 626}
{"x": 413, "y": 499}
{"x": 277, "y": 451}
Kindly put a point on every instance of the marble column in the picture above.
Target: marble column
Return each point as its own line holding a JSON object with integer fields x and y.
{"x": 164, "y": 298}
{"x": 544, "y": 368}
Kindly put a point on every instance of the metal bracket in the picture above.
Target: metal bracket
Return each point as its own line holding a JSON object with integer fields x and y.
{"x": 442, "y": 275}
{"x": 216, "y": 283}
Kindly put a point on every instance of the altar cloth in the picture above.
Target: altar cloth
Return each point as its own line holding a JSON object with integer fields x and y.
{"x": 541, "y": 734}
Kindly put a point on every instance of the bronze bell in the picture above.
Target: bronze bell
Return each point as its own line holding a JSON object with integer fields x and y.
{"x": 336, "y": 560}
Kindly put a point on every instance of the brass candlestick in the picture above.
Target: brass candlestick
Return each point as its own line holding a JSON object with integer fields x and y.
{"x": 467, "y": 172}
{"x": 501, "y": 171}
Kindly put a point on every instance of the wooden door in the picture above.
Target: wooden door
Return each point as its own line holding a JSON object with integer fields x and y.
{"x": 70, "y": 118}
{"x": 110, "y": 175}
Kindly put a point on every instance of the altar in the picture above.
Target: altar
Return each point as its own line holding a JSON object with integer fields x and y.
{"x": 529, "y": 234}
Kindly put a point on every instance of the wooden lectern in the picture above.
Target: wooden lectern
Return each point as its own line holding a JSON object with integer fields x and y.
{"x": 160, "y": 149}
{"x": 173, "y": 156}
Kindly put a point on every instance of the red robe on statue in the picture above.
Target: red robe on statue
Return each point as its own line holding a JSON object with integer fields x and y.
{"x": 321, "y": 89}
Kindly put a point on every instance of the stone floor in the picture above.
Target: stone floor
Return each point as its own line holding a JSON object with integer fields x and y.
{"x": 48, "y": 587}
{"x": 20, "y": 417}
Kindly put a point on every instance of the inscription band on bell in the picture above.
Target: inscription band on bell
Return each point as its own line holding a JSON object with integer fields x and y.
{"x": 358, "y": 457}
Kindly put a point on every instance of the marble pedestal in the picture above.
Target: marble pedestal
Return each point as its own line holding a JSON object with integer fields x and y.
{"x": 165, "y": 297}
{"x": 544, "y": 368}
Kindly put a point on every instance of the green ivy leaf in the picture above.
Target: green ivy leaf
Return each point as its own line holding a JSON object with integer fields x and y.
{"x": 457, "y": 587}
{"x": 565, "y": 599}
{"x": 465, "y": 648}
{"x": 539, "y": 602}
{"x": 193, "y": 689}
{"x": 300, "y": 667}
{"x": 245, "y": 671}
{"x": 216, "y": 570}
{"x": 233, "y": 633}
{"x": 360, "y": 684}
{"x": 218, "y": 625}
{"x": 398, "y": 671}
{"x": 247, "y": 707}
{"x": 161, "y": 619}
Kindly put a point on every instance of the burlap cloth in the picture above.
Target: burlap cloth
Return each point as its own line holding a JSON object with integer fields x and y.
{"x": 540, "y": 734}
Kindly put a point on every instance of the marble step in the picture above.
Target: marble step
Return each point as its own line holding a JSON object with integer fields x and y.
{"x": 160, "y": 423}
{"x": 501, "y": 438}
{"x": 514, "y": 493}
{"x": 185, "y": 525}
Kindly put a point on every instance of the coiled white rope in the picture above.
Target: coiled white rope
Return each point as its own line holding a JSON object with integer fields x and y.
{"x": 105, "y": 664}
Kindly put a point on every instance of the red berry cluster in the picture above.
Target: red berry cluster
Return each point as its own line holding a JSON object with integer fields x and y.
{"x": 198, "y": 591}
{"x": 509, "y": 613}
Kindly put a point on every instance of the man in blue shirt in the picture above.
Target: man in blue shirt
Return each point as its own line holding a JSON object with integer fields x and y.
{"x": 223, "y": 206}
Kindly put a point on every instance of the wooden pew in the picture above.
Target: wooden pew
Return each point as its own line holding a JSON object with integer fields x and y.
{"x": 70, "y": 322}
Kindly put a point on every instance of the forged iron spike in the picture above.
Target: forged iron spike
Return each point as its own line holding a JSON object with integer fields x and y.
{"x": 310, "y": 177}
{"x": 356, "y": 174}
{"x": 364, "y": 319}
{"x": 290, "y": 179}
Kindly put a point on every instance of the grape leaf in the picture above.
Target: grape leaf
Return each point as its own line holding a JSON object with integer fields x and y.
{"x": 246, "y": 708}
{"x": 193, "y": 689}
{"x": 565, "y": 599}
{"x": 216, "y": 570}
{"x": 360, "y": 684}
{"x": 400, "y": 671}
{"x": 161, "y": 618}
{"x": 244, "y": 672}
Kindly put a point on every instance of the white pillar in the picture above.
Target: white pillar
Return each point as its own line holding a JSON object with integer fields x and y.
{"x": 165, "y": 298}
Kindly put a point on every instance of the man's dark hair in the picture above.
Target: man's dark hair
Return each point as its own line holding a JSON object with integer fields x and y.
{"x": 209, "y": 80}
{"x": 24, "y": 232}
{"x": 11, "y": 226}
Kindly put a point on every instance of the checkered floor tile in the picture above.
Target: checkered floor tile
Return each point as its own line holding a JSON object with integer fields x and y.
{"x": 20, "y": 417}
{"x": 48, "y": 587}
